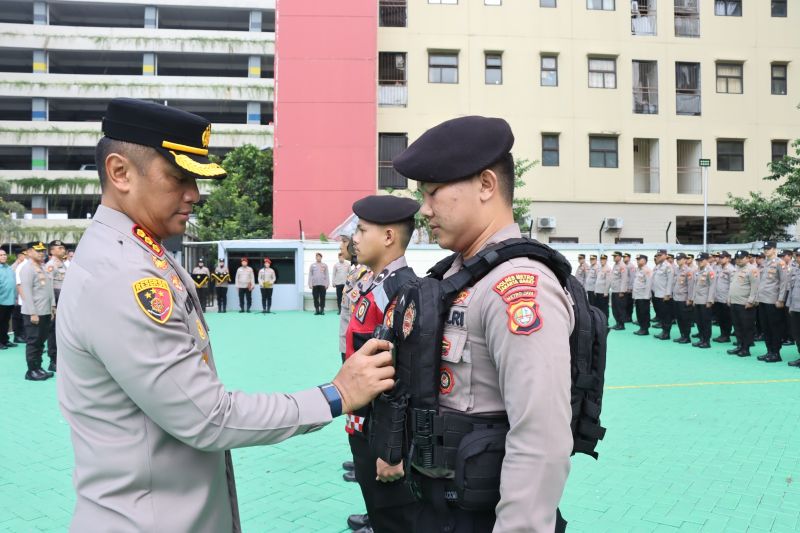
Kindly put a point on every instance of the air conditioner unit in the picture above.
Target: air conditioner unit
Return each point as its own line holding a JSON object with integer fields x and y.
{"x": 546, "y": 222}
{"x": 614, "y": 223}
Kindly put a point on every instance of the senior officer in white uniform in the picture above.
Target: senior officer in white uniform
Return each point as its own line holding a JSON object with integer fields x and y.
{"x": 151, "y": 422}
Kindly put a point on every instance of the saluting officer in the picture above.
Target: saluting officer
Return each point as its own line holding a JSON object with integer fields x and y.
{"x": 725, "y": 272}
{"x": 702, "y": 300}
{"x": 771, "y": 297}
{"x": 222, "y": 279}
{"x": 151, "y": 422}
{"x": 684, "y": 286}
{"x": 602, "y": 286}
{"x": 618, "y": 288}
{"x": 663, "y": 277}
{"x": 742, "y": 299}
{"x": 591, "y": 278}
{"x": 642, "y": 289}
{"x": 38, "y": 311}
{"x": 581, "y": 270}
{"x": 466, "y": 175}
{"x": 793, "y": 305}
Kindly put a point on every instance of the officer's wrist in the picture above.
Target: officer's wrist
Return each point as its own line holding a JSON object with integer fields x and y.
{"x": 333, "y": 397}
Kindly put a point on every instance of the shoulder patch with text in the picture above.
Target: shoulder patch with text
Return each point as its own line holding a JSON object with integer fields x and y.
{"x": 154, "y": 298}
{"x": 518, "y": 291}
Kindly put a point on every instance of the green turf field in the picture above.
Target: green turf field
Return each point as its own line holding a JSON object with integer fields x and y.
{"x": 697, "y": 440}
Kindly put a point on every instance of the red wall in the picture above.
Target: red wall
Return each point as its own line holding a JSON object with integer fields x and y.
{"x": 325, "y": 112}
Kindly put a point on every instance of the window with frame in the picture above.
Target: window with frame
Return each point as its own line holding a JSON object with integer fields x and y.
{"x": 392, "y": 13}
{"x": 442, "y": 67}
{"x": 645, "y": 87}
{"x": 778, "y": 81}
{"x": 549, "y": 67}
{"x": 778, "y": 8}
{"x": 780, "y": 149}
{"x": 728, "y": 8}
{"x": 494, "y": 68}
{"x": 730, "y": 155}
{"x": 687, "y": 18}
{"x": 603, "y": 151}
{"x": 390, "y": 145}
{"x": 550, "y": 150}
{"x": 687, "y": 88}
{"x": 563, "y": 240}
{"x": 547, "y": 3}
{"x": 600, "y": 5}
{"x": 729, "y": 78}
{"x": 442, "y": 1}
{"x": 603, "y": 72}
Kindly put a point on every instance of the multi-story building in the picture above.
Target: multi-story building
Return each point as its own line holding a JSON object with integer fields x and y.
{"x": 617, "y": 100}
{"x": 62, "y": 61}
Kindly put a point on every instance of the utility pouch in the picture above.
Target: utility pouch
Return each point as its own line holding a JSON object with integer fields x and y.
{"x": 387, "y": 426}
{"x": 479, "y": 461}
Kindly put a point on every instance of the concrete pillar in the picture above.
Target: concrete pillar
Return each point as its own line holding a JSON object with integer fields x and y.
{"x": 39, "y": 108}
{"x": 151, "y": 17}
{"x": 39, "y": 62}
{"x": 41, "y": 13}
{"x": 254, "y": 112}
{"x": 39, "y": 206}
{"x": 255, "y": 21}
{"x": 254, "y": 67}
{"x": 39, "y": 158}
{"x": 149, "y": 60}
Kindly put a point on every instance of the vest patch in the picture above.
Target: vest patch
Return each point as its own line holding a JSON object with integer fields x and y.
{"x": 456, "y": 318}
{"x": 361, "y": 312}
{"x": 446, "y": 381}
{"x": 154, "y": 298}
{"x": 408, "y": 319}
{"x": 388, "y": 317}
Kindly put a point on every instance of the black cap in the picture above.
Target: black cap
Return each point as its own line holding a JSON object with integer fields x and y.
{"x": 455, "y": 149}
{"x": 385, "y": 209}
{"x": 200, "y": 260}
{"x": 603, "y": 256}
{"x": 680, "y": 255}
{"x": 593, "y": 256}
{"x": 626, "y": 254}
{"x": 661, "y": 252}
{"x": 741, "y": 254}
{"x": 181, "y": 137}
{"x": 724, "y": 253}
{"x": 581, "y": 256}
{"x": 766, "y": 245}
{"x": 56, "y": 242}
{"x": 784, "y": 253}
{"x": 760, "y": 254}
{"x": 702, "y": 255}
{"x": 671, "y": 256}
{"x": 641, "y": 256}
{"x": 797, "y": 250}
{"x": 36, "y": 245}
{"x": 617, "y": 253}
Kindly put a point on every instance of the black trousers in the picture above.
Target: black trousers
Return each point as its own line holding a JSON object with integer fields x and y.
{"x": 391, "y": 506}
{"x": 601, "y": 302}
{"x": 618, "y": 308}
{"x": 36, "y": 335}
{"x": 702, "y": 316}
{"x": 18, "y": 324}
{"x": 318, "y": 291}
{"x": 222, "y": 299}
{"x": 266, "y": 299}
{"x": 787, "y": 330}
{"x": 245, "y": 294}
{"x": 339, "y": 293}
{"x": 724, "y": 319}
{"x": 643, "y": 314}
{"x": 771, "y": 323}
{"x": 744, "y": 322}
{"x": 590, "y": 295}
{"x": 628, "y": 307}
{"x": 5, "y": 318}
{"x": 667, "y": 314}
{"x": 794, "y": 325}
{"x": 202, "y": 295}
{"x": 658, "y": 308}
{"x": 683, "y": 315}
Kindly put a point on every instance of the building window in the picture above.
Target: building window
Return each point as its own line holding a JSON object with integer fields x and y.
{"x": 494, "y": 69}
{"x": 492, "y": 2}
{"x": 730, "y": 155}
{"x": 643, "y": 17}
{"x": 549, "y": 149}
{"x": 392, "y": 89}
{"x": 778, "y": 85}
{"x": 778, "y": 8}
{"x": 549, "y": 70}
{"x": 687, "y": 18}
{"x": 392, "y": 13}
{"x": 646, "y": 172}
{"x": 729, "y": 78}
{"x": 603, "y": 73}
{"x": 442, "y": 1}
{"x": 390, "y": 145}
{"x": 443, "y": 67}
{"x": 547, "y": 3}
{"x": 687, "y": 88}
{"x": 779, "y": 150}
{"x": 603, "y": 151}
{"x": 645, "y": 87}
{"x": 728, "y": 8}
{"x": 602, "y": 5}
{"x": 688, "y": 167}
{"x": 628, "y": 240}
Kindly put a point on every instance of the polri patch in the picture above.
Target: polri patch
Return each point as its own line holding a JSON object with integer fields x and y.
{"x": 388, "y": 317}
{"x": 446, "y": 381}
{"x": 518, "y": 291}
{"x": 148, "y": 240}
{"x": 408, "y": 319}
{"x": 154, "y": 298}
{"x": 361, "y": 311}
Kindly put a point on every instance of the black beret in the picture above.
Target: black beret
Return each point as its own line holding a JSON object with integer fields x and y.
{"x": 661, "y": 252}
{"x": 455, "y": 149}
{"x": 385, "y": 209}
{"x": 56, "y": 242}
{"x": 742, "y": 253}
{"x": 593, "y": 256}
{"x": 769, "y": 244}
{"x": 603, "y": 256}
{"x": 702, "y": 255}
{"x": 680, "y": 256}
{"x": 181, "y": 137}
{"x": 617, "y": 253}
{"x": 581, "y": 256}
{"x": 785, "y": 252}
{"x": 36, "y": 245}
{"x": 641, "y": 256}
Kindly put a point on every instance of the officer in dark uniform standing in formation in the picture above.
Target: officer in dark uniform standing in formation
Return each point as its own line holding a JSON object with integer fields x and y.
{"x": 499, "y": 359}
{"x": 681, "y": 294}
{"x": 742, "y": 298}
{"x": 591, "y": 278}
{"x": 701, "y": 300}
{"x": 642, "y": 292}
{"x": 385, "y": 225}
{"x": 222, "y": 279}
{"x": 38, "y": 312}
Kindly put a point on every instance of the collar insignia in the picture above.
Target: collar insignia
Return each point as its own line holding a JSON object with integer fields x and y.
{"x": 145, "y": 238}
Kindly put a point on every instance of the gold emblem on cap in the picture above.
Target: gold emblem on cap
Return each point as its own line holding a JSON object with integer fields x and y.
{"x": 206, "y": 136}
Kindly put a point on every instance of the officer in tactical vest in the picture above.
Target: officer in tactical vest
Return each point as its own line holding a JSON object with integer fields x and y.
{"x": 642, "y": 289}
{"x": 702, "y": 300}
{"x": 742, "y": 300}
{"x": 771, "y": 297}
{"x": 725, "y": 272}
{"x": 591, "y": 278}
{"x": 684, "y": 286}
{"x": 602, "y": 285}
{"x": 618, "y": 289}
{"x": 506, "y": 342}
{"x": 662, "y": 293}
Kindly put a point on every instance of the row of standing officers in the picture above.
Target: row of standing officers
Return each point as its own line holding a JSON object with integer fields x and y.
{"x": 752, "y": 296}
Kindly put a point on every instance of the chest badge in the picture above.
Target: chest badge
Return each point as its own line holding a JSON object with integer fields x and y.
{"x": 154, "y": 298}
{"x": 160, "y": 263}
{"x": 446, "y": 381}
{"x": 361, "y": 311}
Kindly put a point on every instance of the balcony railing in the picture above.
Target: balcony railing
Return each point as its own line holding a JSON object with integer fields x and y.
{"x": 646, "y": 180}
{"x": 645, "y": 100}
{"x": 643, "y": 24}
{"x": 392, "y": 13}
{"x": 689, "y": 180}
{"x": 687, "y": 101}
{"x": 392, "y": 93}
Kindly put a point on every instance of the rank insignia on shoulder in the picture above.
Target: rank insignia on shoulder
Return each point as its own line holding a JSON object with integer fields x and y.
{"x": 160, "y": 263}
{"x": 462, "y": 297}
{"x": 145, "y": 238}
{"x": 154, "y": 298}
{"x": 200, "y": 330}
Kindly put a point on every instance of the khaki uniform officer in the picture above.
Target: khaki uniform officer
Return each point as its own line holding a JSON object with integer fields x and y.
{"x": 151, "y": 422}
{"x": 38, "y": 311}
{"x": 793, "y": 305}
{"x": 498, "y": 360}
{"x": 742, "y": 300}
{"x": 703, "y": 299}
{"x": 771, "y": 297}
{"x": 266, "y": 281}
{"x": 602, "y": 285}
{"x": 591, "y": 278}
{"x": 725, "y": 272}
{"x": 222, "y": 278}
{"x": 632, "y": 268}
{"x": 57, "y": 270}
{"x": 663, "y": 279}
{"x": 581, "y": 270}
{"x": 619, "y": 286}
{"x": 641, "y": 291}
{"x": 681, "y": 294}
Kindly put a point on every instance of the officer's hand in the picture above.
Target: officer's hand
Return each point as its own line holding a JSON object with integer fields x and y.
{"x": 690, "y": 303}
{"x": 365, "y": 374}
{"x": 779, "y": 304}
{"x": 622, "y": 295}
{"x": 709, "y": 305}
{"x": 667, "y": 298}
{"x": 387, "y": 472}
{"x": 34, "y": 319}
{"x": 748, "y": 306}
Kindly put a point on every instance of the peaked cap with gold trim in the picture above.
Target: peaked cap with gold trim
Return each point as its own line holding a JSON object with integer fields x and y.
{"x": 181, "y": 137}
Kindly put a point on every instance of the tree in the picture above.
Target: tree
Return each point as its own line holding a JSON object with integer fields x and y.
{"x": 240, "y": 206}
{"x": 767, "y": 217}
{"x": 9, "y": 228}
